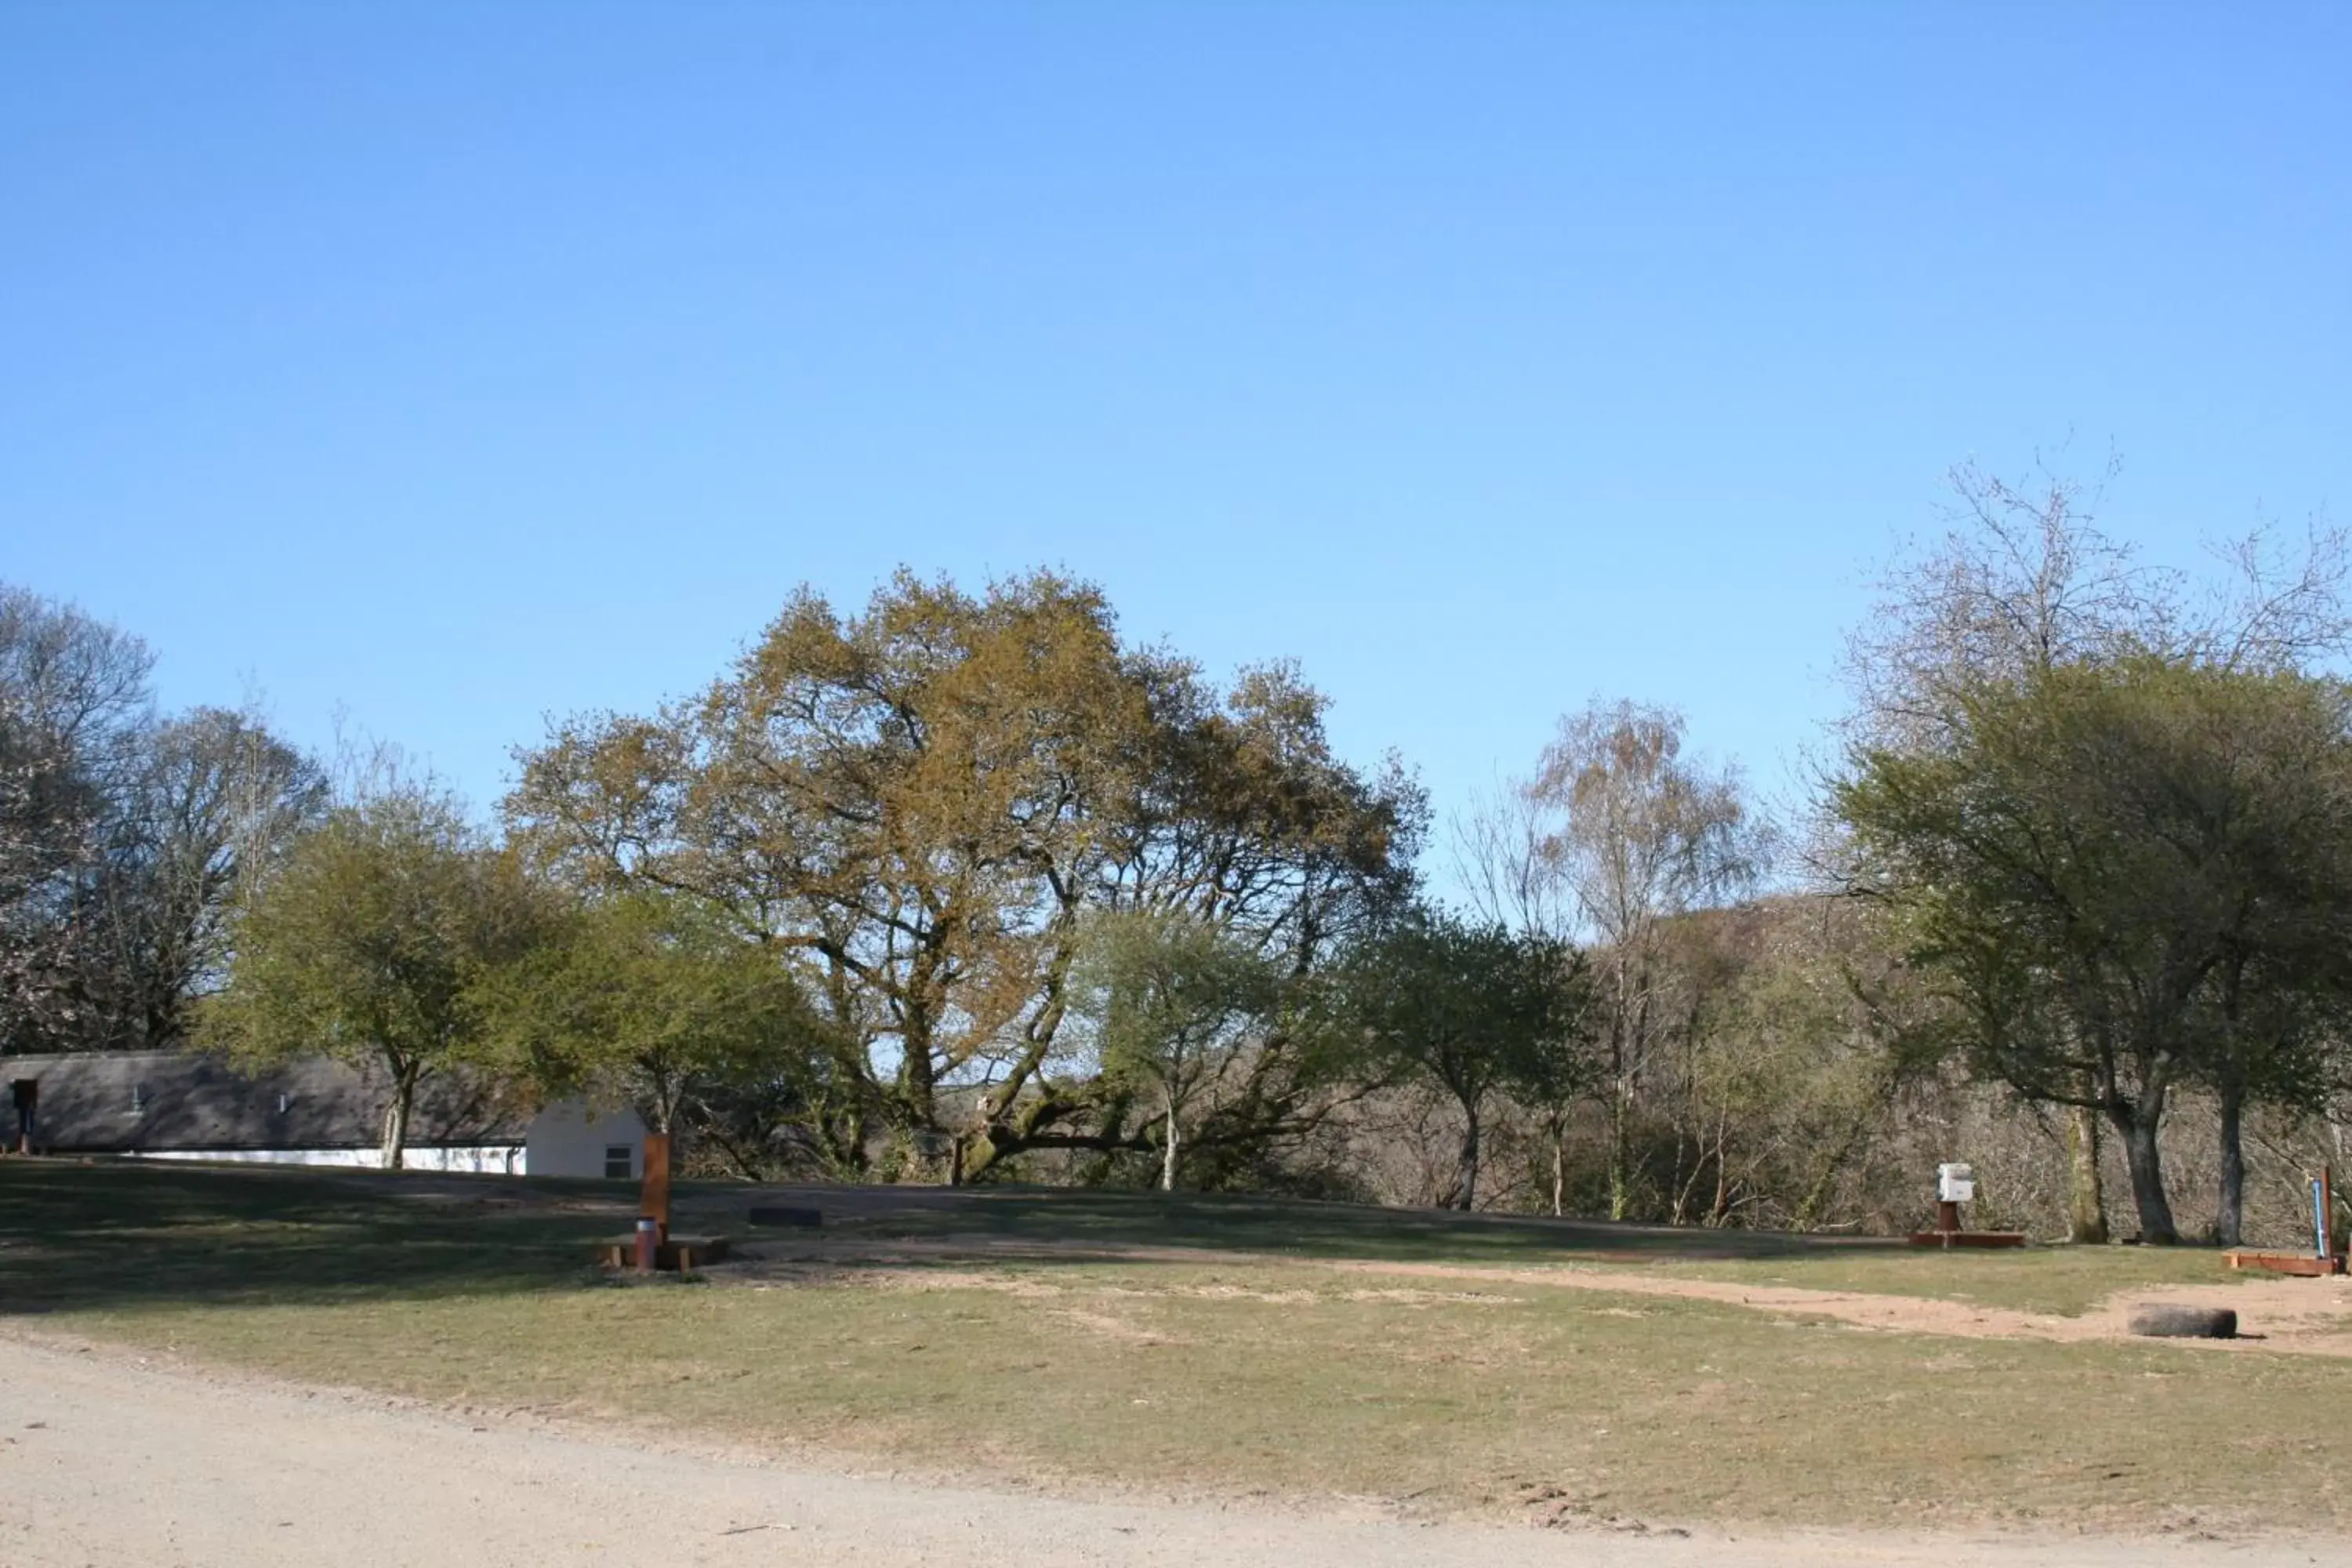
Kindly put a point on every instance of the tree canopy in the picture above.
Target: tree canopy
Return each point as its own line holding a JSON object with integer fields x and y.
{"x": 919, "y": 805}
{"x": 368, "y": 942}
{"x": 1471, "y": 1008}
{"x": 2099, "y": 862}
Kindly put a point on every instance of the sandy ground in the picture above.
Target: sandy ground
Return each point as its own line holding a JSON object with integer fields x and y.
{"x": 2309, "y": 1317}
{"x": 108, "y": 1460}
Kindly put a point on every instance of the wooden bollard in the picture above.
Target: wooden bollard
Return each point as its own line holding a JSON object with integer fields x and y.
{"x": 653, "y": 1200}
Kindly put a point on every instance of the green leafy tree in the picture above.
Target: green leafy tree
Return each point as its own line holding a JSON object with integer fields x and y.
{"x": 2124, "y": 874}
{"x": 1469, "y": 1008}
{"x": 647, "y": 998}
{"x": 920, "y": 806}
{"x": 1175, "y": 1004}
{"x": 2024, "y": 583}
{"x": 366, "y": 943}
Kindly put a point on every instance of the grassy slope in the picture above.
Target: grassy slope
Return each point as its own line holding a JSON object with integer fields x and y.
{"x": 1231, "y": 1375}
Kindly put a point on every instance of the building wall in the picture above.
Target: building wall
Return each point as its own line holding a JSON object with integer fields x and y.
{"x": 567, "y": 1139}
{"x": 489, "y": 1159}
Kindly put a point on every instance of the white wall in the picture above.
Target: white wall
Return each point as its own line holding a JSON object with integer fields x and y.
{"x": 567, "y": 1139}
{"x": 494, "y": 1159}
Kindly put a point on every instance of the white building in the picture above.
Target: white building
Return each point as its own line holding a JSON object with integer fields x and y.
{"x": 169, "y": 1105}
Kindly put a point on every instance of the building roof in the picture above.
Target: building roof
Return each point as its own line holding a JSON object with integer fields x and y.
{"x": 129, "y": 1101}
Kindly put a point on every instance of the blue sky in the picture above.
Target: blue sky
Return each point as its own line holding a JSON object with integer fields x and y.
{"x": 454, "y": 367}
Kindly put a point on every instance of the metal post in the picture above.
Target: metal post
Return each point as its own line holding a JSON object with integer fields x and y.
{"x": 648, "y": 1246}
{"x": 2321, "y": 1198}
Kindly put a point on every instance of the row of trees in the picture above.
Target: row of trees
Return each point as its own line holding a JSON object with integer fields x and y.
{"x": 964, "y": 886}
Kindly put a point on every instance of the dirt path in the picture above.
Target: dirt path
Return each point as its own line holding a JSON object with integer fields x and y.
{"x": 108, "y": 1462}
{"x": 2306, "y": 1316}
{"x": 2310, "y": 1317}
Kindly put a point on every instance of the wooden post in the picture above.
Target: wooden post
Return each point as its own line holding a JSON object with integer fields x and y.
{"x": 653, "y": 1203}
{"x": 1948, "y": 1217}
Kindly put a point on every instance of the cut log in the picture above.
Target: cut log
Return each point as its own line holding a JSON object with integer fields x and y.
{"x": 2172, "y": 1321}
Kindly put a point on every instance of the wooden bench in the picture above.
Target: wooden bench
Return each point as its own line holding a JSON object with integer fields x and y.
{"x": 1968, "y": 1238}
{"x": 2308, "y": 1264}
{"x": 677, "y": 1254}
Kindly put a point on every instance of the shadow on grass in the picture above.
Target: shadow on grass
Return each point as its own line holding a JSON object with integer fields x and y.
{"x": 119, "y": 1236}
{"x": 77, "y": 1237}
{"x": 1086, "y": 1218}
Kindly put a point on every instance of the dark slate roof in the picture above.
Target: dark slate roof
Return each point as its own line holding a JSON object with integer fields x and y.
{"x": 122, "y": 1101}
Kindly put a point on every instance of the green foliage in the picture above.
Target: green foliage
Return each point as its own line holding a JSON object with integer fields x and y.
{"x": 1172, "y": 1002}
{"x": 921, "y": 805}
{"x": 647, "y": 998}
{"x": 2105, "y": 866}
{"x": 1781, "y": 1077}
{"x": 1470, "y": 1008}
{"x": 367, "y": 942}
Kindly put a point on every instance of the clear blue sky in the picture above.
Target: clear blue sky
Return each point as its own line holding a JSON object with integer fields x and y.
{"x": 460, "y": 364}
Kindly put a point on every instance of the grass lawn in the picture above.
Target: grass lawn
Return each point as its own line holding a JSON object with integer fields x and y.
{"x": 1231, "y": 1375}
{"x": 2043, "y": 1280}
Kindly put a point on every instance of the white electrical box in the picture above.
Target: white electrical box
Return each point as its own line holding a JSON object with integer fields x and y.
{"x": 1956, "y": 1183}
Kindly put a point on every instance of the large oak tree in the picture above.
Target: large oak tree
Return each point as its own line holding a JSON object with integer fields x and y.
{"x": 916, "y": 806}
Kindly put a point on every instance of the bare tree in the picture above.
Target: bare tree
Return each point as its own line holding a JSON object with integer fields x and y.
{"x": 215, "y": 801}
{"x": 73, "y": 699}
{"x": 1638, "y": 836}
{"x": 1504, "y": 865}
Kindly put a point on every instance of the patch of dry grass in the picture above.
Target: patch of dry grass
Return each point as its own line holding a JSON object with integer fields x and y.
{"x": 2068, "y": 1281}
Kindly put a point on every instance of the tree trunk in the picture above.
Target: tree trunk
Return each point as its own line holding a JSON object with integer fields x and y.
{"x": 1465, "y": 1179}
{"x": 667, "y": 1093}
{"x": 1721, "y": 1211}
{"x": 1621, "y": 1148}
{"x": 2088, "y": 1219}
{"x": 2230, "y": 1213}
{"x": 392, "y": 1153}
{"x": 1168, "y": 1155}
{"x": 2137, "y": 1123}
{"x": 1817, "y": 1195}
{"x": 1558, "y": 1168}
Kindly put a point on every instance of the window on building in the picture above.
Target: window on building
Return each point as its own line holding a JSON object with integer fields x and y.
{"x": 138, "y": 1097}
{"x": 616, "y": 1162}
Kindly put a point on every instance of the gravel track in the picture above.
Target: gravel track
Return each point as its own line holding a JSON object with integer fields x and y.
{"x": 111, "y": 1460}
